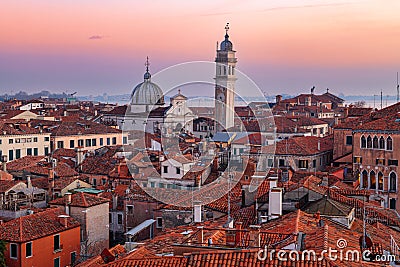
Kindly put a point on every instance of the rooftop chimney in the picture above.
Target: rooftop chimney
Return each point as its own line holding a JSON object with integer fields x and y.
{"x": 275, "y": 203}
{"x": 255, "y": 235}
{"x": 239, "y": 233}
{"x": 197, "y": 211}
{"x": 51, "y": 174}
{"x": 4, "y": 162}
{"x": 28, "y": 181}
{"x": 278, "y": 99}
{"x": 273, "y": 182}
{"x": 200, "y": 237}
{"x": 319, "y": 145}
{"x": 308, "y": 100}
{"x": 68, "y": 198}
{"x": 63, "y": 219}
{"x": 79, "y": 156}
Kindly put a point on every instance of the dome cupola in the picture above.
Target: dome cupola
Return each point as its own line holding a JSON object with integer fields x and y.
{"x": 147, "y": 92}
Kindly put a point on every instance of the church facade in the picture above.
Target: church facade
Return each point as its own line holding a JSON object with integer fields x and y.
{"x": 148, "y": 112}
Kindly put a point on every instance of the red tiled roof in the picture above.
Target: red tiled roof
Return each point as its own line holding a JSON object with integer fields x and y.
{"x": 6, "y": 185}
{"x": 81, "y": 199}
{"x": 61, "y": 170}
{"x": 387, "y": 123}
{"x": 24, "y": 162}
{"x": 358, "y": 112}
{"x": 302, "y": 145}
{"x": 151, "y": 262}
{"x": 35, "y": 226}
{"x": 14, "y": 128}
{"x": 245, "y": 216}
{"x": 308, "y": 121}
{"x": 98, "y": 261}
{"x": 9, "y": 114}
{"x": 237, "y": 258}
{"x": 119, "y": 110}
{"x": 77, "y": 127}
{"x": 4, "y": 176}
{"x": 102, "y": 162}
{"x": 64, "y": 152}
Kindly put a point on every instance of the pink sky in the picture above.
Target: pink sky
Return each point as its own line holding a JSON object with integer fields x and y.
{"x": 348, "y": 46}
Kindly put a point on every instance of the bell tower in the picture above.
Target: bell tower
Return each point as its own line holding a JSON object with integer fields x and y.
{"x": 225, "y": 79}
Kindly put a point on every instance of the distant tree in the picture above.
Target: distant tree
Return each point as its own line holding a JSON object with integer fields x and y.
{"x": 2, "y": 251}
{"x": 359, "y": 104}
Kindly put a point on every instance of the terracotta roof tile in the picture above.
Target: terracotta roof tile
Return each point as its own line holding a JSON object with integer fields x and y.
{"x": 35, "y": 226}
{"x": 302, "y": 145}
{"x": 81, "y": 199}
{"x": 76, "y": 127}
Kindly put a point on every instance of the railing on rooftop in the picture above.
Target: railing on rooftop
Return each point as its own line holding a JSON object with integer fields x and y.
{"x": 394, "y": 248}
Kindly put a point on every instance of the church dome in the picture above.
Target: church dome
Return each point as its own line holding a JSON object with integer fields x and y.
{"x": 147, "y": 92}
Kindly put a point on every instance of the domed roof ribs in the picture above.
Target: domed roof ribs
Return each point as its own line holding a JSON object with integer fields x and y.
{"x": 147, "y": 93}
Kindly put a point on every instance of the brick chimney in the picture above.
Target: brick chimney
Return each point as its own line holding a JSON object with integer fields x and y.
{"x": 239, "y": 233}
{"x": 255, "y": 236}
{"x": 68, "y": 199}
{"x": 51, "y": 174}
{"x": 63, "y": 219}
{"x": 200, "y": 236}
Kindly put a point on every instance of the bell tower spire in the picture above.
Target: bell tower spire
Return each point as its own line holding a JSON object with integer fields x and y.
{"x": 225, "y": 79}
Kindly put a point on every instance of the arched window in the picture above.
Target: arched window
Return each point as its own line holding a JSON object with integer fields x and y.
{"x": 369, "y": 142}
{"x": 372, "y": 180}
{"x": 375, "y": 142}
{"x": 364, "y": 179}
{"x": 380, "y": 181}
{"x": 389, "y": 143}
{"x": 363, "y": 142}
{"x": 381, "y": 143}
{"x": 393, "y": 182}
